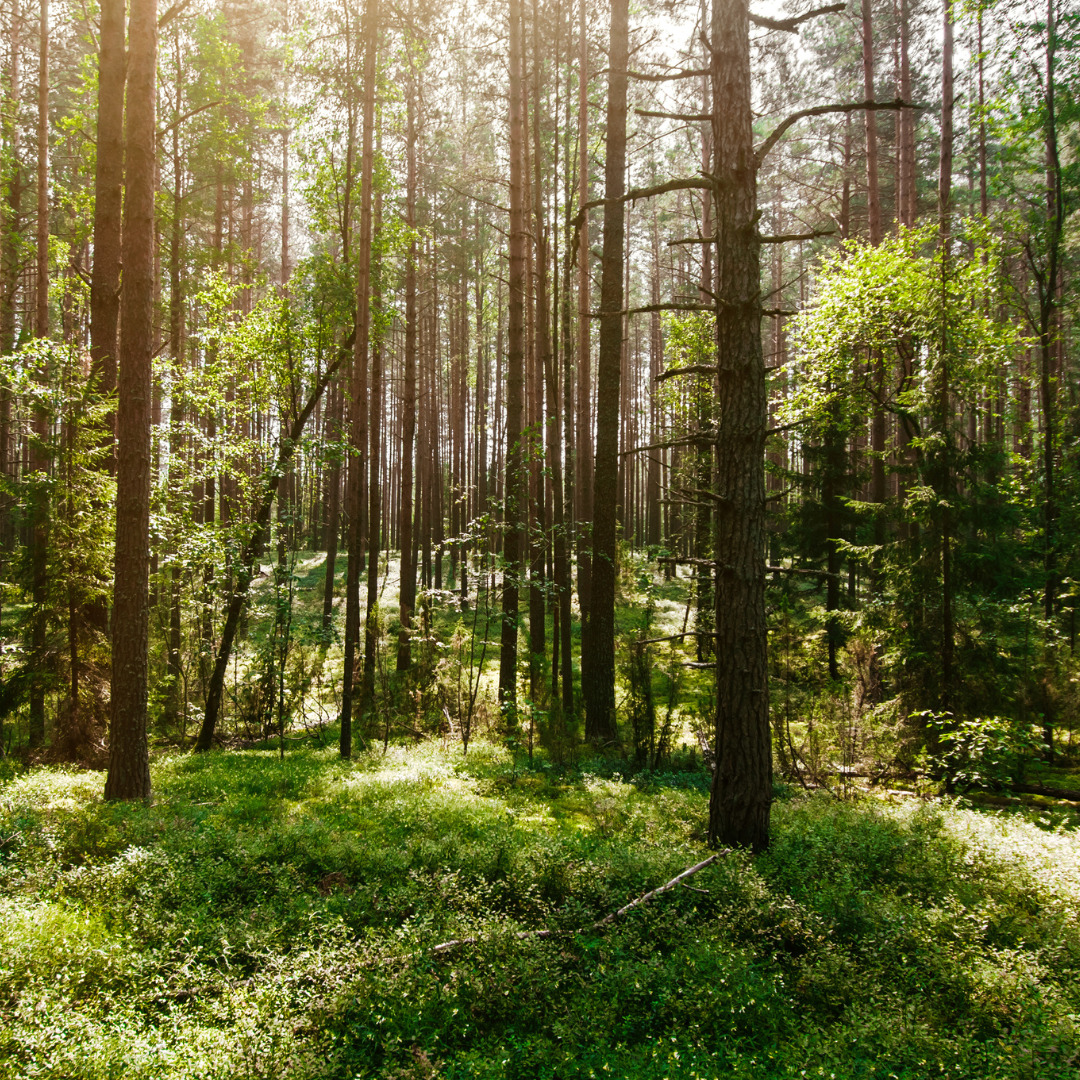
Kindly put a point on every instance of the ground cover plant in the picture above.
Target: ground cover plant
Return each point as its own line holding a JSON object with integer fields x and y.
{"x": 272, "y": 917}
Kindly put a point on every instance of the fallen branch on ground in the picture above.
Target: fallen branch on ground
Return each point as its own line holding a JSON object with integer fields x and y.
{"x": 521, "y": 935}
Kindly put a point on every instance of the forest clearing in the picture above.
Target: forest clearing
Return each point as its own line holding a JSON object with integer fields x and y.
{"x": 538, "y": 538}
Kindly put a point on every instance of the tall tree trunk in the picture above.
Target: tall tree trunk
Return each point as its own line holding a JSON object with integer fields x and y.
{"x": 39, "y": 457}
{"x": 1049, "y": 284}
{"x": 108, "y": 202}
{"x": 740, "y": 801}
{"x": 514, "y": 489}
{"x": 656, "y": 363}
{"x": 174, "y": 670}
{"x": 540, "y": 357}
{"x": 358, "y": 390}
{"x": 599, "y": 631}
{"x": 906, "y": 200}
{"x": 407, "y": 591}
{"x": 129, "y": 770}
{"x": 10, "y": 263}
{"x": 944, "y": 465}
{"x": 374, "y": 519}
{"x": 583, "y": 449}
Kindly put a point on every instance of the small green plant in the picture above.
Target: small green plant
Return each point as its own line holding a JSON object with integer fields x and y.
{"x": 987, "y": 751}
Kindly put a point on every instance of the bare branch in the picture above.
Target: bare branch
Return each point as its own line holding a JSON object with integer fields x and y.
{"x": 690, "y": 369}
{"x": 701, "y": 183}
{"x": 697, "y": 439}
{"x": 792, "y": 25}
{"x": 607, "y": 920}
{"x": 692, "y": 73}
{"x": 174, "y": 12}
{"x": 790, "y": 238}
{"x": 825, "y": 110}
{"x": 162, "y": 132}
{"x": 690, "y": 118}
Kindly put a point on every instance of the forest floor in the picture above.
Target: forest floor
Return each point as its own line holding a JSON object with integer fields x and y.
{"x": 279, "y": 917}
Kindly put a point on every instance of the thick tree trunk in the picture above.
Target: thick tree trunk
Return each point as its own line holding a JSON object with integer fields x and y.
{"x": 599, "y": 635}
{"x": 9, "y": 264}
{"x": 741, "y": 797}
{"x": 129, "y": 770}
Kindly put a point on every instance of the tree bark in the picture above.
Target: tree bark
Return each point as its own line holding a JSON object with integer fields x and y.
{"x": 407, "y": 591}
{"x": 129, "y": 769}
{"x": 39, "y": 461}
{"x": 741, "y": 797}
{"x": 599, "y": 631}
{"x": 108, "y": 204}
{"x": 583, "y": 448}
{"x": 358, "y": 390}
{"x": 514, "y": 507}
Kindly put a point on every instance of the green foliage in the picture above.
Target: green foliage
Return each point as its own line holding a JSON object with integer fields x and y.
{"x": 983, "y": 751}
{"x": 899, "y": 298}
{"x": 270, "y": 918}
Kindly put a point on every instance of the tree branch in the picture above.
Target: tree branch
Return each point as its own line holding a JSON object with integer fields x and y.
{"x": 690, "y": 369}
{"x": 692, "y": 73}
{"x": 789, "y": 238}
{"x": 825, "y": 110}
{"x": 700, "y": 438}
{"x": 690, "y": 118}
{"x": 162, "y": 132}
{"x": 792, "y": 25}
{"x": 174, "y": 12}
{"x": 705, "y": 183}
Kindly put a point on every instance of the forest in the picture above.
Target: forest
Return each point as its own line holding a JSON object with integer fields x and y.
{"x": 538, "y": 538}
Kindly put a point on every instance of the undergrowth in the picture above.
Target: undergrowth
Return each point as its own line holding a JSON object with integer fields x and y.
{"x": 278, "y": 919}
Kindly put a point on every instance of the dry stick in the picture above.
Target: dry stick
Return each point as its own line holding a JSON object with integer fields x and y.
{"x": 522, "y": 935}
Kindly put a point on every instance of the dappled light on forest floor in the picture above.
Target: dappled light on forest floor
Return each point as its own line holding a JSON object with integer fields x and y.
{"x": 269, "y": 918}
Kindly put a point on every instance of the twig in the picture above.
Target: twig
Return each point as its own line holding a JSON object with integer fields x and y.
{"x": 521, "y": 935}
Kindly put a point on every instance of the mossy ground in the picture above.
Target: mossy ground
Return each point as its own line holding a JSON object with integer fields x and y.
{"x": 269, "y": 918}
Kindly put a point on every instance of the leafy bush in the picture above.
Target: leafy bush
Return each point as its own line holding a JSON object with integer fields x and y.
{"x": 987, "y": 751}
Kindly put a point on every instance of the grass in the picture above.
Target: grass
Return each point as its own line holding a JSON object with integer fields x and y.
{"x": 277, "y": 919}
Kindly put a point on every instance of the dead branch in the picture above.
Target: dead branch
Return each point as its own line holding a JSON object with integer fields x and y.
{"x": 791, "y": 26}
{"x": 824, "y": 110}
{"x": 690, "y": 183}
{"x": 688, "y": 73}
{"x": 690, "y": 369}
{"x": 790, "y": 238}
{"x": 607, "y": 920}
{"x": 699, "y": 439}
{"x": 689, "y": 118}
